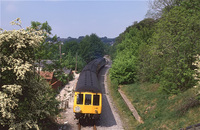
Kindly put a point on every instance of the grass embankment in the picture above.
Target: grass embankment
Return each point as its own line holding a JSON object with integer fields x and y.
{"x": 157, "y": 110}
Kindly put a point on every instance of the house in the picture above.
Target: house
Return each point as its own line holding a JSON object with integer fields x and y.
{"x": 51, "y": 76}
{"x": 51, "y": 79}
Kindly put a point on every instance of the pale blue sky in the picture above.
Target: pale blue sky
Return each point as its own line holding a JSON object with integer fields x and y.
{"x": 75, "y": 18}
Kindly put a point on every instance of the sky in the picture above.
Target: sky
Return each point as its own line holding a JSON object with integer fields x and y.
{"x": 75, "y": 18}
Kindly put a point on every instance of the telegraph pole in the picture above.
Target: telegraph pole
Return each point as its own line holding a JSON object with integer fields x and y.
{"x": 76, "y": 63}
{"x": 60, "y": 52}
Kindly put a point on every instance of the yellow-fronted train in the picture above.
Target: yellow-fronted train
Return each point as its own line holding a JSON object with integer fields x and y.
{"x": 88, "y": 94}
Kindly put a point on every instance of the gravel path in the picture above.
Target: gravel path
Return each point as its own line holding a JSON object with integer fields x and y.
{"x": 66, "y": 118}
{"x": 110, "y": 120}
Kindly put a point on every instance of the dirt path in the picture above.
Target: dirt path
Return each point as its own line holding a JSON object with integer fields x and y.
{"x": 110, "y": 119}
{"x": 66, "y": 118}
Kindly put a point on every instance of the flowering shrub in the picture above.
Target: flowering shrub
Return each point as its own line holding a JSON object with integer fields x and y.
{"x": 23, "y": 98}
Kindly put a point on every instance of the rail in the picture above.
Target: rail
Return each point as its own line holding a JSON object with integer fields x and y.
{"x": 192, "y": 127}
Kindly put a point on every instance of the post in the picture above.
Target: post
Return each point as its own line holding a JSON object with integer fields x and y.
{"x": 76, "y": 63}
{"x": 60, "y": 52}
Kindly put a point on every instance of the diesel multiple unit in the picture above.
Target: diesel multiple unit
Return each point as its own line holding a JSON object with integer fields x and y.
{"x": 88, "y": 94}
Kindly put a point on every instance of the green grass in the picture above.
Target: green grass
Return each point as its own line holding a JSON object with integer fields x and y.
{"x": 158, "y": 111}
{"x": 129, "y": 122}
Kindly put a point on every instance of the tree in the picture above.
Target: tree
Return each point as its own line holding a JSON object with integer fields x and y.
{"x": 25, "y": 102}
{"x": 124, "y": 68}
{"x": 128, "y": 65}
{"x": 159, "y": 7}
{"x": 70, "y": 46}
{"x": 177, "y": 38}
{"x": 91, "y": 47}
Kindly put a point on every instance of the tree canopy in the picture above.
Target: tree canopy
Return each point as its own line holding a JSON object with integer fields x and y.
{"x": 162, "y": 50}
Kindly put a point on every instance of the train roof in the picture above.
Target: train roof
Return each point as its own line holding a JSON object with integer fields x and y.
{"x": 88, "y": 82}
{"x": 92, "y": 66}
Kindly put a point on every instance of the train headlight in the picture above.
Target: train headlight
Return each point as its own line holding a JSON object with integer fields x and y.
{"x": 77, "y": 109}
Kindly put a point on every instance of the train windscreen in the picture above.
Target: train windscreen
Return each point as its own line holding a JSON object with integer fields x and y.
{"x": 87, "y": 99}
{"x": 80, "y": 99}
{"x": 96, "y": 100}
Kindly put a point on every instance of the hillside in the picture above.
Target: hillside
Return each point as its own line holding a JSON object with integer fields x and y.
{"x": 154, "y": 60}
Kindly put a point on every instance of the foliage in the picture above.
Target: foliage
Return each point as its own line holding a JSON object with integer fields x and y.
{"x": 124, "y": 69}
{"x": 177, "y": 38}
{"x": 164, "y": 50}
{"x": 70, "y": 61}
{"x": 89, "y": 48}
{"x": 127, "y": 62}
{"x": 70, "y": 46}
{"x": 49, "y": 46}
{"x": 25, "y": 102}
{"x": 159, "y": 7}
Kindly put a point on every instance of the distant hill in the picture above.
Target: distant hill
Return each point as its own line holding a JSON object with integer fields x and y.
{"x": 105, "y": 40}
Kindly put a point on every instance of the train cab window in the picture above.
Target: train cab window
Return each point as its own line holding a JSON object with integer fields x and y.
{"x": 80, "y": 99}
{"x": 87, "y": 99}
{"x": 96, "y": 100}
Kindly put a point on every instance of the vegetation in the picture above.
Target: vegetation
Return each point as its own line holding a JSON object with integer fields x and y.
{"x": 161, "y": 51}
{"x": 129, "y": 51}
{"x": 157, "y": 110}
{"x": 26, "y": 102}
{"x": 161, "y": 111}
{"x": 89, "y": 48}
{"x": 126, "y": 116}
{"x": 156, "y": 60}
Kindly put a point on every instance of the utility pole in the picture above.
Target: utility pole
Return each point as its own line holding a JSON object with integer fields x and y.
{"x": 76, "y": 63}
{"x": 60, "y": 52}
{"x": 61, "y": 69}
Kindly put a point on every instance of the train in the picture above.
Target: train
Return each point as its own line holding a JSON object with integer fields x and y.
{"x": 88, "y": 93}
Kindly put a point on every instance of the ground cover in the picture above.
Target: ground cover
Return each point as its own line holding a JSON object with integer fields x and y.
{"x": 129, "y": 122}
{"x": 161, "y": 111}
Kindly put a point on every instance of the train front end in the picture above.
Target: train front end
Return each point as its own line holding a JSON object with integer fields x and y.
{"x": 87, "y": 105}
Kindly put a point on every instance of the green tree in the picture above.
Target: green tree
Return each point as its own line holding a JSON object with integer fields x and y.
{"x": 25, "y": 102}
{"x": 178, "y": 41}
{"x": 91, "y": 47}
{"x": 124, "y": 68}
{"x": 130, "y": 52}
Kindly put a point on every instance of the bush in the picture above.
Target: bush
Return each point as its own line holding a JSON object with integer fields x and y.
{"x": 25, "y": 101}
{"x": 124, "y": 69}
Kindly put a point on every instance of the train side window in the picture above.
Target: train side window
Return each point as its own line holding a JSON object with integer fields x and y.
{"x": 80, "y": 99}
{"x": 87, "y": 99}
{"x": 96, "y": 100}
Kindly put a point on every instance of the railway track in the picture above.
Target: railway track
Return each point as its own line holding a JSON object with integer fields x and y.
{"x": 79, "y": 126}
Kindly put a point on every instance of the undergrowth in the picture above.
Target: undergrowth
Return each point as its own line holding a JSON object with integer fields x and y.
{"x": 157, "y": 110}
{"x": 160, "y": 111}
